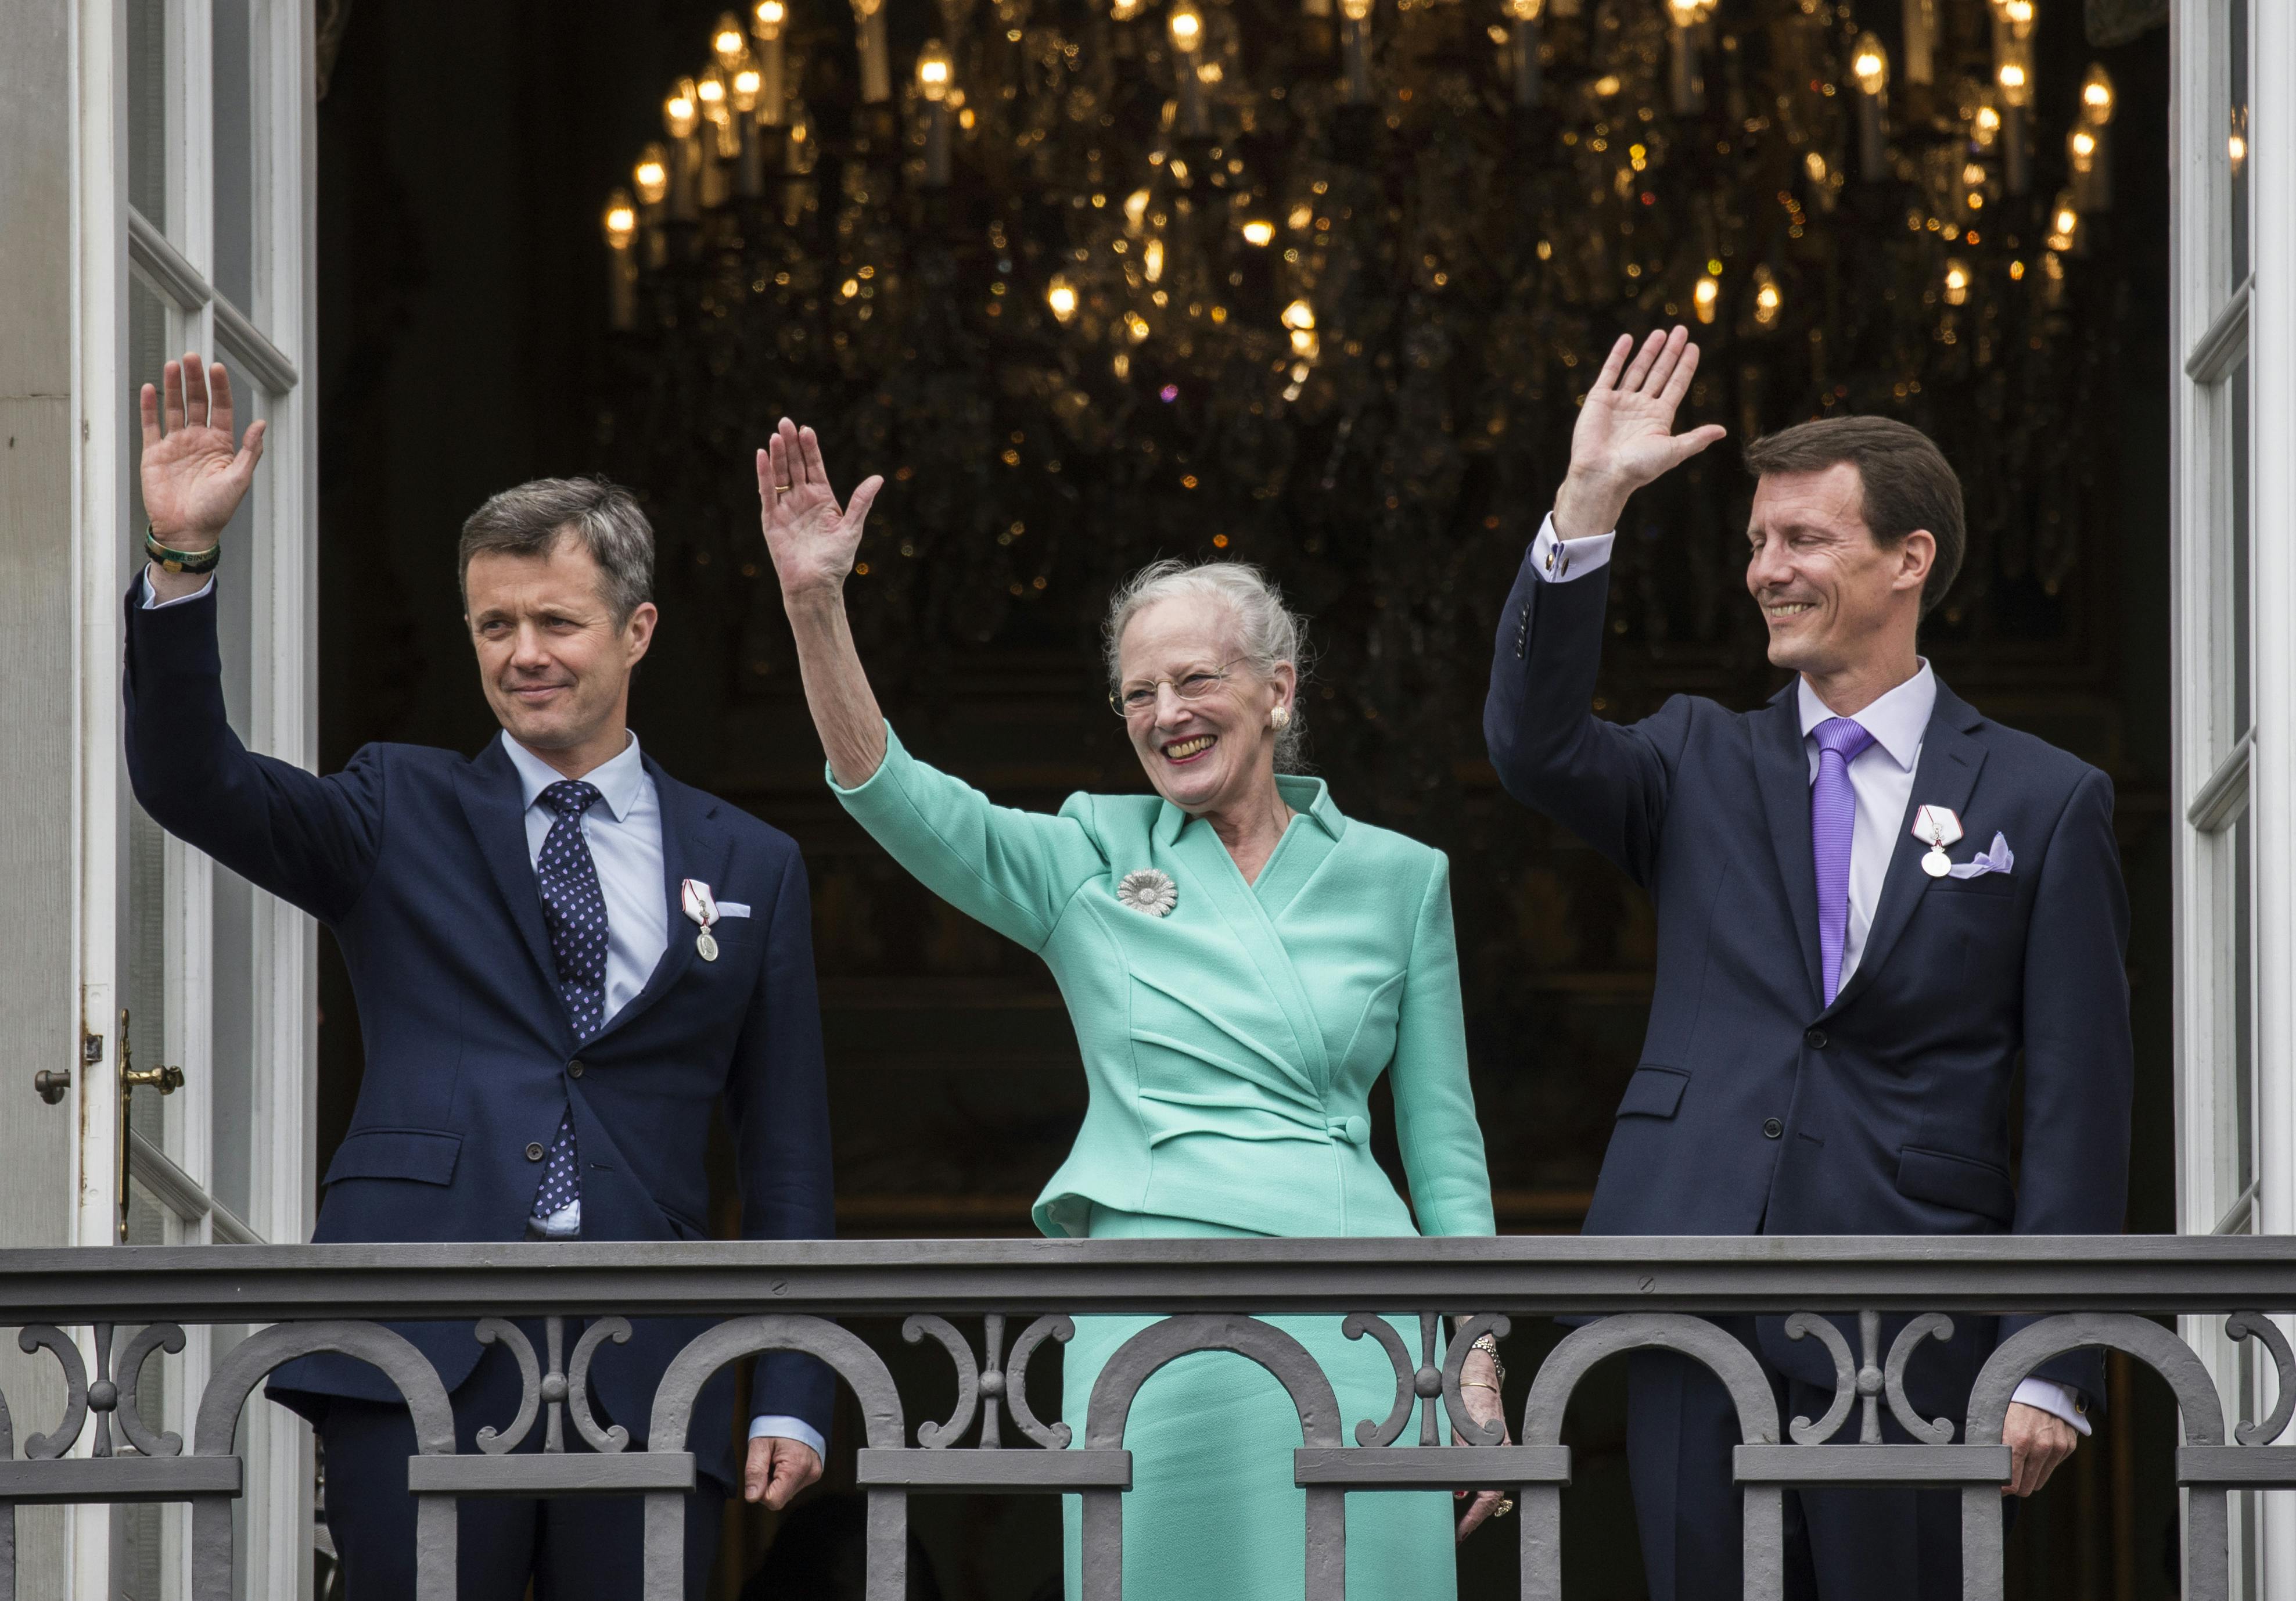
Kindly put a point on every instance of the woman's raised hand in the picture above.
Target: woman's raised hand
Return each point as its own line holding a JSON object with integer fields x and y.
{"x": 1625, "y": 435}
{"x": 812, "y": 542}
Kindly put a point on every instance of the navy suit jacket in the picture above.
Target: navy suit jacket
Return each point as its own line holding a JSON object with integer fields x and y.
{"x": 1759, "y": 1109}
{"x": 417, "y": 859}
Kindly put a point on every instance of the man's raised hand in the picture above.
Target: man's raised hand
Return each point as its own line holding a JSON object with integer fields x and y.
{"x": 1625, "y": 435}
{"x": 193, "y": 477}
{"x": 812, "y": 542}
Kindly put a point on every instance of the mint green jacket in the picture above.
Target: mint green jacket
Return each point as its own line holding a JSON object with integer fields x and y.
{"x": 1232, "y": 1044}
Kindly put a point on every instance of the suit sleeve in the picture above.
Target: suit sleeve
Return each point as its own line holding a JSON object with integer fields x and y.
{"x": 1435, "y": 1125}
{"x": 1014, "y": 870}
{"x": 1608, "y": 782}
{"x": 310, "y": 841}
{"x": 2080, "y": 1056}
{"x": 777, "y": 1100}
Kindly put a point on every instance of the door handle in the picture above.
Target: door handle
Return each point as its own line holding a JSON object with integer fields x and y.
{"x": 51, "y": 1087}
{"x": 166, "y": 1080}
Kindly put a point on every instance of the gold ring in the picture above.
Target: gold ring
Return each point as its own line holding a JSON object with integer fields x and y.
{"x": 1505, "y": 1506}
{"x": 783, "y": 488}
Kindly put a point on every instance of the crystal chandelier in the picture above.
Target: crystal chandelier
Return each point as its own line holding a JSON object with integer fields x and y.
{"x": 1315, "y": 282}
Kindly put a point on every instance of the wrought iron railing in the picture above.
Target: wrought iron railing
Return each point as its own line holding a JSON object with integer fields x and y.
{"x": 1214, "y": 1296}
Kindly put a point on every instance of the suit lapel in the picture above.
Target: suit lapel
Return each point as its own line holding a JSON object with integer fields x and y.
{"x": 692, "y": 846}
{"x": 1944, "y": 776}
{"x": 1782, "y": 768}
{"x": 488, "y": 789}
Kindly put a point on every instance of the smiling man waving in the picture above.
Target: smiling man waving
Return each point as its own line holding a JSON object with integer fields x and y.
{"x": 565, "y": 961}
{"x": 1871, "y": 900}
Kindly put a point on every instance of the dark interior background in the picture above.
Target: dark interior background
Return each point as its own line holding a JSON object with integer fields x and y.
{"x": 465, "y": 153}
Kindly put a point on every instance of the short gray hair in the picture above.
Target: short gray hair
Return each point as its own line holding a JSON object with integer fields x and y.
{"x": 1271, "y": 633}
{"x": 529, "y": 521}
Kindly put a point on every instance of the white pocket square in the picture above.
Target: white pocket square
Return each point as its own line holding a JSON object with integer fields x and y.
{"x": 733, "y": 909}
{"x": 1997, "y": 859}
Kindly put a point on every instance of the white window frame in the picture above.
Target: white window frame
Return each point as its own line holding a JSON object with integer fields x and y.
{"x": 2225, "y": 775}
{"x": 268, "y": 346}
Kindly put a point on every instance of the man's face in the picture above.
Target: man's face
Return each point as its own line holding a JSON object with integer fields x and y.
{"x": 1830, "y": 596}
{"x": 555, "y": 669}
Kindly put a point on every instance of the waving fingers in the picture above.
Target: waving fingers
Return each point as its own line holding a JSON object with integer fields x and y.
{"x": 1608, "y": 377}
{"x": 1638, "y": 370}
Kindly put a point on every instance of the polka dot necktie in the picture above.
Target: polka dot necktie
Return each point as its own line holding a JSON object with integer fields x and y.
{"x": 575, "y": 907}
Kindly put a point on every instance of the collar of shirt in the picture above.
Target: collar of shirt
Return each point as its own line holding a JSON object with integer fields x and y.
{"x": 617, "y": 782}
{"x": 1896, "y": 721}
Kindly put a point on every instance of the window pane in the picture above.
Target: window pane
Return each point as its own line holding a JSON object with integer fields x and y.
{"x": 147, "y": 109}
{"x": 2236, "y": 470}
{"x": 234, "y": 155}
{"x": 231, "y": 1060}
{"x": 2237, "y": 134}
{"x": 2243, "y": 998}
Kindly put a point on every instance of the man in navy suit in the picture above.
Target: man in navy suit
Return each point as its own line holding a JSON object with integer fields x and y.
{"x": 564, "y": 959}
{"x": 1871, "y": 900}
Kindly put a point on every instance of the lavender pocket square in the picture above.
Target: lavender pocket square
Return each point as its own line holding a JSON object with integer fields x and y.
{"x": 1998, "y": 859}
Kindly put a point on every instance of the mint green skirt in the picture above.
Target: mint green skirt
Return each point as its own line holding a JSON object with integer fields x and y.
{"x": 1212, "y": 1513}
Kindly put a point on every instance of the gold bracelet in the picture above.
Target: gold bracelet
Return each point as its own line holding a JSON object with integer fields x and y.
{"x": 1478, "y": 1385}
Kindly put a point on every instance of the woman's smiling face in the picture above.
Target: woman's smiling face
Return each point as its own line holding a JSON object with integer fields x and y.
{"x": 1211, "y": 750}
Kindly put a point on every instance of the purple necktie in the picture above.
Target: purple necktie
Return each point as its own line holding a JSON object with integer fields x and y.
{"x": 1833, "y": 823}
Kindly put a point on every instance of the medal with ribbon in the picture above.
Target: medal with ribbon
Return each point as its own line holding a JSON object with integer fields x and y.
{"x": 1936, "y": 827}
{"x": 701, "y": 907}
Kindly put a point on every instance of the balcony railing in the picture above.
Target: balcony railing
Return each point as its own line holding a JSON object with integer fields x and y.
{"x": 132, "y": 1305}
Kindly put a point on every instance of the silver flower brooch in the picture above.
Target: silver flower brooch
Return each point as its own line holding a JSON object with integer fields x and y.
{"x": 1150, "y": 890}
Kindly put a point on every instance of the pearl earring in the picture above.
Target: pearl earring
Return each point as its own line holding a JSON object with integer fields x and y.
{"x": 1280, "y": 718}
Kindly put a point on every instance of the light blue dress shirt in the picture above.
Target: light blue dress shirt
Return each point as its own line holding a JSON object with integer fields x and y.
{"x": 1883, "y": 780}
{"x": 625, "y": 838}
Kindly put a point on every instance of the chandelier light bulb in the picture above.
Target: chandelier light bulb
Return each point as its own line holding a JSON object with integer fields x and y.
{"x": 679, "y": 112}
{"x": 1956, "y": 284}
{"x": 766, "y": 21}
{"x": 2081, "y": 146}
{"x": 1524, "y": 10}
{"x": 1135, "y": 326}
{"x": 1769, "y": 303}
{"x": 1704, "y": 296}
{"x": 2018, "y": 14}
{"x": 1684, "y": 12}
{"x": 652, "y": 175}
{"x": 1259, "y": 232}
{"x": 1152, "y": 261}
{"x": 1870, "y": 65}
{"x": 2096, "y": 96}
{"x": 933, "y": 71}
{"x": 1985, "y": 123}
{"x": 742, "y": 90}
{"x": 728, "y": 42}
{"x": 709, "y": 90}
{"x": 1136, "y": 208}
{"x": 1060, "y": 295}
{"x": 1356, "y": 11}
{"x": 1299, "y": 317}
{"x": 1188, "y": 27}
{"x": 621, "y": 220}
{"x": 863, "y": 10}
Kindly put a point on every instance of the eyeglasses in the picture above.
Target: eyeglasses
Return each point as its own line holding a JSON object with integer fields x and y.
{"x": 1137, "y": 698}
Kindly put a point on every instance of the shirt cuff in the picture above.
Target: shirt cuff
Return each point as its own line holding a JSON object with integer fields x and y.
{"x": 773, "y": 1425}
{"x": 1558, "y": 560}
{"x": 153, "y": 604}
{"x": 2057, "y": 1399}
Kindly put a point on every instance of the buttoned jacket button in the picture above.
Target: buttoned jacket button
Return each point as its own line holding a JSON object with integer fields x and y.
{"x": 1354, "y": 1130}
{"x": 1772, "y": 1129}
{"x": 1815, "y": 1040}
{"x": 534, "y": 1152}
{"x": 574, "y": 1068}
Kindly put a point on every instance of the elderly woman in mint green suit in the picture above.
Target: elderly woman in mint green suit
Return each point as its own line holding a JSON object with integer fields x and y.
{"x": 1242, "y": 962}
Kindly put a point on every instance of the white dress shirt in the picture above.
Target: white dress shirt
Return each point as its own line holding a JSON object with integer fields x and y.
{"x": 1882, "y": 778}
{"x": 624, "y": 834}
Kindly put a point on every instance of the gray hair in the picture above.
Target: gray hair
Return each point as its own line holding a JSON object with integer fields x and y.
{"x": 529, "y": 521}
{"x": 1270, "y": 633}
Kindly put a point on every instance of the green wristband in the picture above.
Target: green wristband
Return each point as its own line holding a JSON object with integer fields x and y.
{"x": 181, "y": 560}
